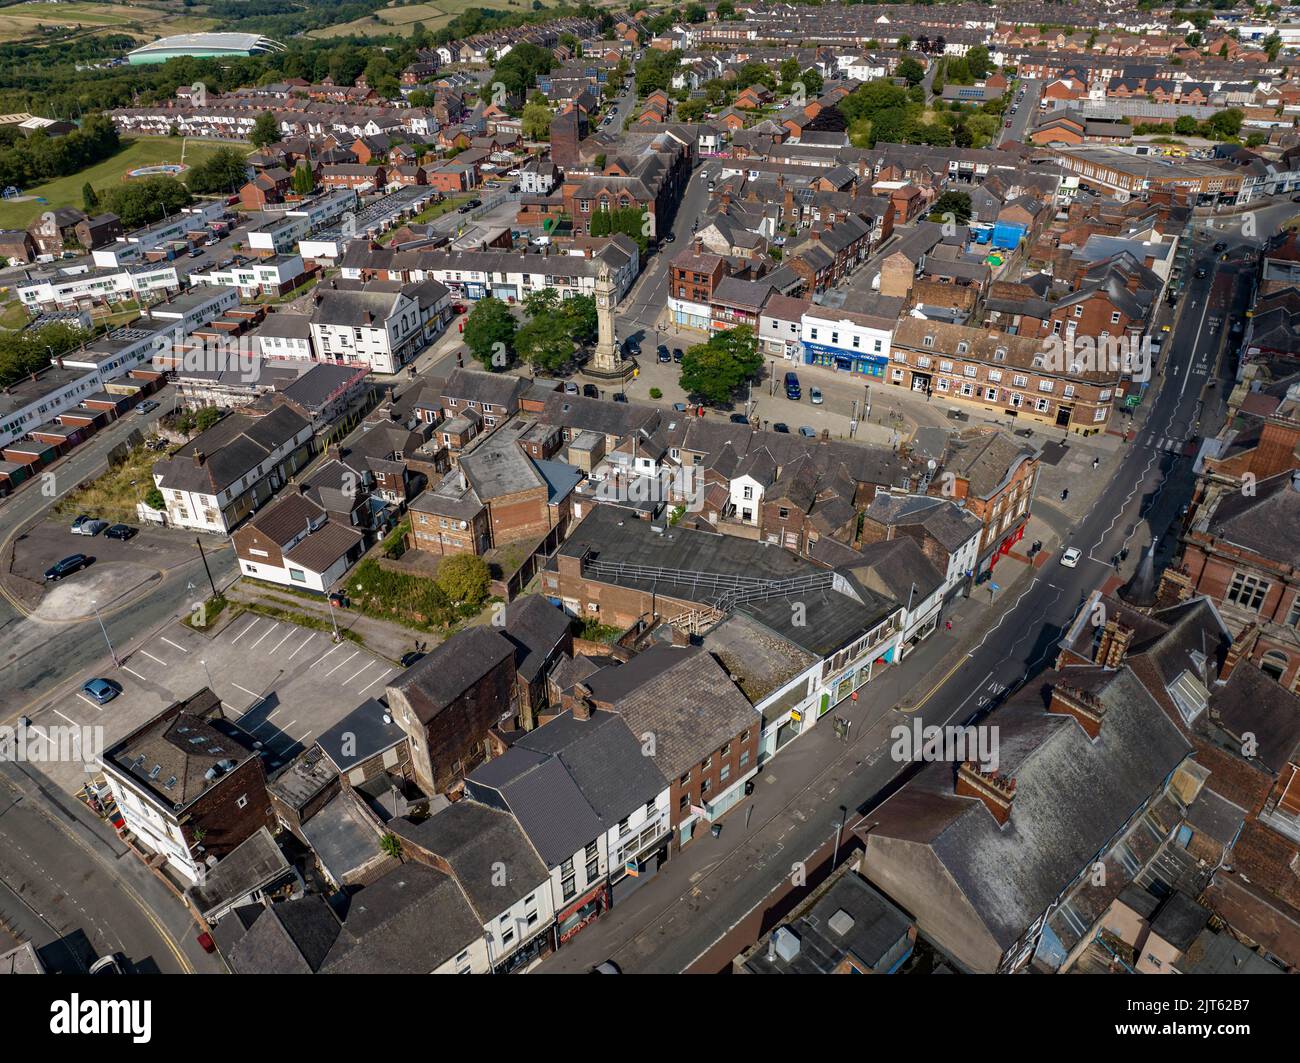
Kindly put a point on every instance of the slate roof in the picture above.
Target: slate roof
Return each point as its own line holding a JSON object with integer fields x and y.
{"x": 536, "y": 627}
{"x": 1072, "y": 796}
{"x": 450, "y": 669}
{"x": 477, "y": 842}
{"x": 231, "y": 448}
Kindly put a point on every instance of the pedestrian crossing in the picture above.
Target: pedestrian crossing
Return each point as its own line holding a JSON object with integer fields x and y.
{"x": 1168, "y": 444}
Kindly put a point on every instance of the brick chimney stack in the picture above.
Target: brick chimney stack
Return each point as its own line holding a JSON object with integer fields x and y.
{"x": 1242, "y": 646}
{"x": 199, "y": 457}
{"x": 1084, "y": 706}
{"x": 1115, "y": 641}
{"x": 996, "y": 791}
{"x": 581, "y": 701}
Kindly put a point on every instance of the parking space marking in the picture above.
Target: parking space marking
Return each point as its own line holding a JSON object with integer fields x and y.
{"x": 91, "y": 702}
{"x": 300, "y": 648}
{"x": 173, "y": 644}
{"x": 288, "y": 635}
{"x": 245, "y": 631}
{"x": 151, "y": 657}
{"x": 359, "y": 671}
{"x": 341, "y": 663}
{"x": 374, "y": 681}
{"x": 136, "y": 674}
{"x": 66, "y": 717}
{"x": 320, "y": 660}
{"x": 250, "y": 693}
{"x": 269, "y": 631}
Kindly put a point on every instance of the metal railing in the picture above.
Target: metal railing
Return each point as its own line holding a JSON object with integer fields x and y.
{"x": 723, "y": 591}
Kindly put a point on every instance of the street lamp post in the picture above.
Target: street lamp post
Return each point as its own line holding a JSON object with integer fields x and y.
{"x": 112, "y": 652}
{"x": 839, "y": 829}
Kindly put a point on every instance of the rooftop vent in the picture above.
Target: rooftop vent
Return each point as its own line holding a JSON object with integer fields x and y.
{"x": 786, "y": 943}
{"x": 841, "y": 922}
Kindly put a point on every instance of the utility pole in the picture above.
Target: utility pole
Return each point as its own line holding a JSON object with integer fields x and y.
{"x": 211, "y": 583}
{"x": 112, "y": 652}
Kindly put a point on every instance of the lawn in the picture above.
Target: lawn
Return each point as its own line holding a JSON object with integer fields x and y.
{"x": 66, "y": 191}
{"x": 111, "y": 497}
{"x": 20, "y": 21}
{"x": 431, "y": 16}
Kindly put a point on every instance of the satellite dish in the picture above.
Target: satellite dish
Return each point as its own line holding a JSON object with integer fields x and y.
{"x": 932, "y": 464}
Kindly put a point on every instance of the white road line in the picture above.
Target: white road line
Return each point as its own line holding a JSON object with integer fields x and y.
{"x": 321, "y": 659}
{"x": 359, "y": 671}
{"x": 245, "y": 631}
{"x": 172, "y": 644}
{"x": 42, "y": 734}
{"x": 151, "y": 657}
{"x": 299, "y": 649}
{"x": 136, "y": 674}
{"x": 280, "y": 643}
{"x": 90, "y": 701}
{"x": 341, "y": 663}
{"x": 66, "y": 717}
{"x": 250, "y": 693}
{"x": 269, "y": 631}
{"x": 374, "y": 681}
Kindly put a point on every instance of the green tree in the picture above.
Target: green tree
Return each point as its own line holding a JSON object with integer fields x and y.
{"x": 89, "y": 198}
{"x": 266, "y": 130}
{"x": 536, "y": 121}
{"x": 464, "y": 578}
{"x": 956, "y": 204}
{"x": 391, "y": 845}
{"x": 714, "y": 371}
{"x": 1186, "y": 125}
{"x": 545, "y": 343}
{"x": 490, "y": 333}
{"x": 303, "y": 179}
{"x": 911, "y": 70}
{"x": 977, "y": 62}
{"x": 141, "y": 202}
{"x": 153, "y": 498}
{"x": 223, "y": 171}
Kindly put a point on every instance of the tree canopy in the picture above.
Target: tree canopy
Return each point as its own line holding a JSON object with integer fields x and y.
{"x": 714, "y": 371}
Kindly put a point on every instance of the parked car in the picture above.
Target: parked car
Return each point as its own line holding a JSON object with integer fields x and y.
{"x": 590, "y": 391}
{"x": 107, "y": 965}
{"x": 92, "y": 527}
{"x": 669, "y": 238}
{"x": 1219, "y": 246}
{"x": 409, "y": 659}
{"x": 70, "y": 564}
{"x": 1200, "y": 272}
{"x": 619, "y": 397}
{"x": 80, "y": 519}
{"x": 148, "y": 406}
{"x": 815, "y": 396}
{"x": 680, "y": 407}
{"x": 100, "y": 691}
{"x": 738, "y": 418}
{"x": 677, "y": 355}
{"x": 1071, "y": 557}
{"x": 632, "y": 347}
{"x": 781, "y": 426}
{"x": 570, "y": 388}
{"x": 120, "y": 531}
{"x": 807, "y": 432}
{"x": 662, "y": 352}
{"x": 792, "y": 390}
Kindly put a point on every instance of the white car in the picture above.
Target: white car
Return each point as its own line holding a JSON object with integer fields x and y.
{"x": 1071, "y": 557}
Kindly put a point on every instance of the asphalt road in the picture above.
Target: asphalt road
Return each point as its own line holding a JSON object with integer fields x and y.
{"x": 1025, "y": 111}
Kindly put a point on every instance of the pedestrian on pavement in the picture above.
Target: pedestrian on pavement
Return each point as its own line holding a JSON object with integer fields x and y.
{"x": 947, "y": 624}
{"x": 1096, "y": 462}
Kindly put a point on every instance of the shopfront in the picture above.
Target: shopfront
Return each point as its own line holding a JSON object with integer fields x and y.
{"x": 845, "y": 360}
{"x": 581, "y": 912}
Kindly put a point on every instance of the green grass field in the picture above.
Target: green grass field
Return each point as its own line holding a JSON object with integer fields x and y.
{"x": 66, "y": 191}
{"x": 26, "y": 20}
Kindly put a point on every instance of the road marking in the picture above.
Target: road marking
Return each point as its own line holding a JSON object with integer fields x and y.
{"x": 66, "y": 717}
{"x": 270, "y": 630}
{"x": 321, "y": 659}
{"x": 151, "y": 657}
{"x": 374, "y": 681}
{"x": 288, "y": 635}
{"x": 172, "y": 644}
{"x": 250, "y": 693}
{"x": 245, "y": 631}
{"x": 90, "y": 701}
{"x": 134, "y": 673}
{"x": 299, "y": 649}
{"x": 359, "y": 671}
{"x": 341, "y": 663}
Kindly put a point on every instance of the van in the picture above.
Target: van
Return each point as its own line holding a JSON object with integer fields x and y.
{"x": 792, "y": 389}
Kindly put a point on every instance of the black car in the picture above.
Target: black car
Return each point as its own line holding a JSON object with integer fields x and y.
{"x": 1220, "y": 246}
{"x": 677, "y": 355}
{"x": 619, "y": 397}
{"x": 409, "y": 659}
{"x": 120, "y": 531}
{"x": 663, "y": 354}
{"x": 738, "y": 418}
{"x": 66, "y": 567}
{"x": 632, "y": 347}
{"x": 669, "y": 238}
{"x": 781, "y": 426}
{"x": 590, "y": 391}
{"x": 1200, "y": 272}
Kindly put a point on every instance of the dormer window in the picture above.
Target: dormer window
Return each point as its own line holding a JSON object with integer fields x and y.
{"x": 1000, "y": 355}
{"x": 928, "y": 341}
